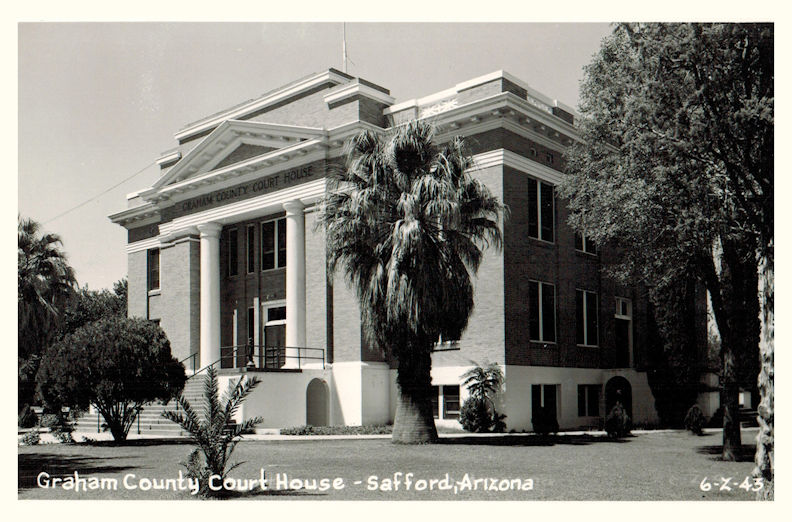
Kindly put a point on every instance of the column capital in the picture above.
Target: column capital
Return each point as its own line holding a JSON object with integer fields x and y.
{"x": 210, "y": 229}
{"x": 294, "y": 206}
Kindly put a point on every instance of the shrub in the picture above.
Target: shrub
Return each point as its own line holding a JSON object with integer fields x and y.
{"x": 475, "y": 415}
{"x": 498, "y": 424}
{"x": 50, "y": 420}
{"x": 27, "y": 417}
{"x": 217, "y": 434}
{"x": 544, "y": 421}
{"x": 478, "y": 414}
{"x": 338, "y": 430}
{"x": 116, "y": 364}
{"x": 617, "y": 423}
{"x": 695, "y": 420}
{"x": 31, "y": 438}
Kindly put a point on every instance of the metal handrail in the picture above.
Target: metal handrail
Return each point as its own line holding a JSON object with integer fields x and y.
{"x": 261, "y": 357}
{"x": 268, "y": 357}
{"x": 192, "y": 358}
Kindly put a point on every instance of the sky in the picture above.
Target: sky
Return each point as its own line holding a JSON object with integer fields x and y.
{"x": 99, "y": 102}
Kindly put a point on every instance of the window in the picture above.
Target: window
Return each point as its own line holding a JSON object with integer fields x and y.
{"x": 540, "y": 210}
{"x": 446, "y": 399}
{"x": 251, "y": 326}
{"x": 623, "y": 334}
{"x": 251, "y": 249}
{"x": 153, "y": 269}
{"x": 588, "y": 400}
{"x": 277, "y": 313}
{"x": 623, "y": 308}
{"x": 233, "y": 252}
{"x": 544, "y": 396}
{"x": 584, "y": 244}
{"x": 541, "y": 310}
{"x": 273, "y": 244}
{"x": 587, "y": 318}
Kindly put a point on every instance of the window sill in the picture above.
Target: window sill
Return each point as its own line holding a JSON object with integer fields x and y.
{"x": 546, "y": 344}
{"x": 583, "y": 252}
{"x": 156, "y": 291}
{"x": 265, "y": 270}
{"x": 542, "y": 241}
{"x": 587, "y": 346}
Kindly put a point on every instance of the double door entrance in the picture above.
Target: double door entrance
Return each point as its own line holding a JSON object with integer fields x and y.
{"x": 264, "y": 343}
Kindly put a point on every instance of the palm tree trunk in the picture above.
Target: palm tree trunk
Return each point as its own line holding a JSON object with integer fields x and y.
{"x": 414, "y": 421}
{"x": 765, "y": 438}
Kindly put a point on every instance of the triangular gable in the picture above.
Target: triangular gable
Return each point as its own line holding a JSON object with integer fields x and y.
{"x": 243, "y": 152}
{"x": 234, "y": 141}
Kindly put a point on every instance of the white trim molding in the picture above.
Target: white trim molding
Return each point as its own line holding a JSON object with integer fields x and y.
{"x": 357, "y": 89}
{"x": 229, "y": 135}
{"x": 517, "y": 162}
{"x": 251, "y": 208}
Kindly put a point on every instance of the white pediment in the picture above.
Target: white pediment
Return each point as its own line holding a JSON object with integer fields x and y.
{"x": 236, "y": 141}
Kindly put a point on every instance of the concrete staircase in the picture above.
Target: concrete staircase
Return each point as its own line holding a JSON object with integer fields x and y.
{"x": 151, "y": 421}
{"x": 748, "y": 418}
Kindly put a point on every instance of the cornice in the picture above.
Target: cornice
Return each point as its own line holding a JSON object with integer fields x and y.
{"x": 357, "y": 89}
{"x": 199, "y": 159}
{"x": 506, "y": 107}
{"x": 307, "y": 193}
{"x": 137, "y": 216}
{"x": 516, "y": 161}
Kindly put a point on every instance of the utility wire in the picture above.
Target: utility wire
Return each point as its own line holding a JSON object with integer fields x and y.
{"x": 94, "y": 198}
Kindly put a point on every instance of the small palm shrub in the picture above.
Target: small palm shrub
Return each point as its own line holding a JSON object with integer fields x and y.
{"x": 217, "y": 433}
{"x": 544, "y": 421}
{"x": 695, "y": 420}
{"x": 617, "y": 423}
{"x": 475, "y": 415}
{"x": 31, "y": 438}
{"x": 478, "y": 414}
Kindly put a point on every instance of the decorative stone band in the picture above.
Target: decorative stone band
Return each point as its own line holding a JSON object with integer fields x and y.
{"x": 310, "y": 193}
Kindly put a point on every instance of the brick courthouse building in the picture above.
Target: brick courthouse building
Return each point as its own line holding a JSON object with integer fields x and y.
{"x": 224, "y": 253}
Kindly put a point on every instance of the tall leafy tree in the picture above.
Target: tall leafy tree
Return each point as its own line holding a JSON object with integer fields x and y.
{"x": 45, "y": 282}
{"x": 677, "y": 164}
{"x": 86, "y": 306}
{"x": 409, "y": 225}
{"x": 116, "y": 364}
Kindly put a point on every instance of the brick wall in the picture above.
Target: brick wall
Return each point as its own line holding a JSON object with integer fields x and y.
{"x": 137, "y": 304}
{"x": 346, "y": 320}
{"x": 483, "y": 340}
{"x": 316, "y": 314}
{"x": 504, "y": 139}
{"x": 180, "y": 283}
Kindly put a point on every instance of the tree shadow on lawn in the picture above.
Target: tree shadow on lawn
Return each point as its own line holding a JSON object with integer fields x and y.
{"x": 57, "y": 465}
{"x": 532, "y": 440}
{"x": 746, "y": 453}
{"x": 136, "y": 443}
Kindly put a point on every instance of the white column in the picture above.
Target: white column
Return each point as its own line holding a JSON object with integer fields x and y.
{"x": 210, "y": 292}
{"x": 295, "y": 280}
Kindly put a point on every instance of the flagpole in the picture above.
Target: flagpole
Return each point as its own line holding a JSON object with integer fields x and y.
{"x": 344, "y": 49}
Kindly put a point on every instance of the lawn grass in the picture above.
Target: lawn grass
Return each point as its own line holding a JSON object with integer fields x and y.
{"x": 649, "y": 466}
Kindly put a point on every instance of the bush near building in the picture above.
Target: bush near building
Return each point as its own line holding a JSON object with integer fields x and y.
{"x": 116, "y": 364}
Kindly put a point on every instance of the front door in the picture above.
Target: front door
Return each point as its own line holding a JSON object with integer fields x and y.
{"x": 274, "y": 335}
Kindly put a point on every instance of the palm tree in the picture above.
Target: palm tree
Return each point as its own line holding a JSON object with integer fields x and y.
{"x": 215, "y": 433}
{"x": 45, "y": 282}
{"x": 483, "y": 382}
{"x": 409, "y": 225}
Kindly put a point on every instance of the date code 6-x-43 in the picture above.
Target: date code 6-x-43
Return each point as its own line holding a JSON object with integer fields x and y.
{"x": 730, "y": 484}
